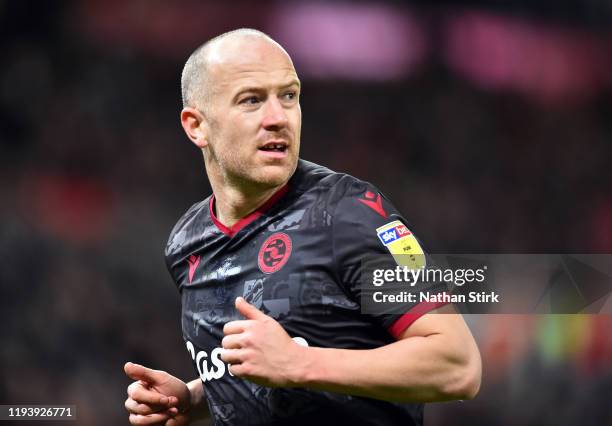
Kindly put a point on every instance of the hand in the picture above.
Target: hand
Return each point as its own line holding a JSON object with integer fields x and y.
{"x": 156, "y": 397}
{"x": 260, "y": 350}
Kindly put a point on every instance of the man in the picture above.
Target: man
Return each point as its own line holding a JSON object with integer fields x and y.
{"x": 288, "y": 236}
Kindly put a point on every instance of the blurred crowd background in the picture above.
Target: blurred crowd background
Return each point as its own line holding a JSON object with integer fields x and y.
{"x": 489, "y": 125}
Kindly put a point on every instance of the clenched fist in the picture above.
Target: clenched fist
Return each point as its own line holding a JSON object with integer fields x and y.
{"x": 260, "y": 350}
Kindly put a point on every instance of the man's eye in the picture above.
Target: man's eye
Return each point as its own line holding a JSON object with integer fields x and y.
{"x": 251, "y": 100}
{"x": 290, "y": 96}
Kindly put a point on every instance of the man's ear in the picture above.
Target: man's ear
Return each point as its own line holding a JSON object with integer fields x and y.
{"x": 195, "y": 126}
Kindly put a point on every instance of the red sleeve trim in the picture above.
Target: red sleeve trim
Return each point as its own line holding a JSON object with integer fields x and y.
{"x": 402, "y": 323}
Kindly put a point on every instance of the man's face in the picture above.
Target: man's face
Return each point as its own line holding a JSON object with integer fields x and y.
{"x": 254, "y": 116}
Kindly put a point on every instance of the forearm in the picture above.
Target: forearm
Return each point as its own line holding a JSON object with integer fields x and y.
{"x": 415, "y": 369}
{"x": 199, "y": 408}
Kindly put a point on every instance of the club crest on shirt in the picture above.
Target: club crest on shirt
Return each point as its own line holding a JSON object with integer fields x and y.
{"x": 402, "y": 244}
{"x": 274, "y": 253}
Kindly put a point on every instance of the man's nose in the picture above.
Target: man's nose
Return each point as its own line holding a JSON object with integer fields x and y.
{"x": 275, "y": 116}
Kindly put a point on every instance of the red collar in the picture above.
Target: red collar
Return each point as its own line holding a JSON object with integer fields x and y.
{"x": 233, "y": 230}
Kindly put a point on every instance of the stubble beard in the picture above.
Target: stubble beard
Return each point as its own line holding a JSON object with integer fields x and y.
{"x": 241, "y": 173}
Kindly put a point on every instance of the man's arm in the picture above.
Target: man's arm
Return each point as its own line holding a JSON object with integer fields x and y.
{"x": 435, "y": 359}
{"x": 198, "y": 409}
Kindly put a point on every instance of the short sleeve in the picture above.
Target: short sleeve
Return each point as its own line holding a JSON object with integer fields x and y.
{"x": 366, "y": 225}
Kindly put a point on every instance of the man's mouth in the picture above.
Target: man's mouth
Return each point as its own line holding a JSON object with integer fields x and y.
{"x": 274, "y": 147}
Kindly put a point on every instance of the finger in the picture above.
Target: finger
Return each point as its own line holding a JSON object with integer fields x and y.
{"x": 138, "y": 388}
{"x": 249, "y": 311}
{"x": 150, "y": 419}
{"x": 233, "y": 356}
{"x": 143, "y": 395}
{"x": 231, "y": 341}
{"x": 238, "y": 370}
{"x": 134, "y": 407}
{"x": 140, "y": 372}
{"x": 235, "y": 327}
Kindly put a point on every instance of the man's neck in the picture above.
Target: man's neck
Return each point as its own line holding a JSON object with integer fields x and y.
{"x": 232, "y": 204}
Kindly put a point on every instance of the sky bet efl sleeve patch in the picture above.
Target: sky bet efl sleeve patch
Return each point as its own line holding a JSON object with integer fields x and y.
{"x": 402, "y": 244}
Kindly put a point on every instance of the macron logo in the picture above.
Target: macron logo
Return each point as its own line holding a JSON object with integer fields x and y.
{"x": 374, "y": 201}
{"x": 193, "y": 261}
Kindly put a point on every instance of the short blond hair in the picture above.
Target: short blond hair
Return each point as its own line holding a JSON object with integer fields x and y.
{"x": 195, "y": 90}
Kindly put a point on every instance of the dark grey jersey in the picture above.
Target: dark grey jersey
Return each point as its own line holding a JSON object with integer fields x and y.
{"x": 297, "y": 259}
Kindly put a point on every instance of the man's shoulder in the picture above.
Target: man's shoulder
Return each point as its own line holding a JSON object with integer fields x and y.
{"x": 192, "y": 221}
{"x": 348, "y": 198}
{"x": 310, "y": 176}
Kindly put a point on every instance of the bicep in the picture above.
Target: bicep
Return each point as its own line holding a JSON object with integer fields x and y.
{"x": 447, "y": 326}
